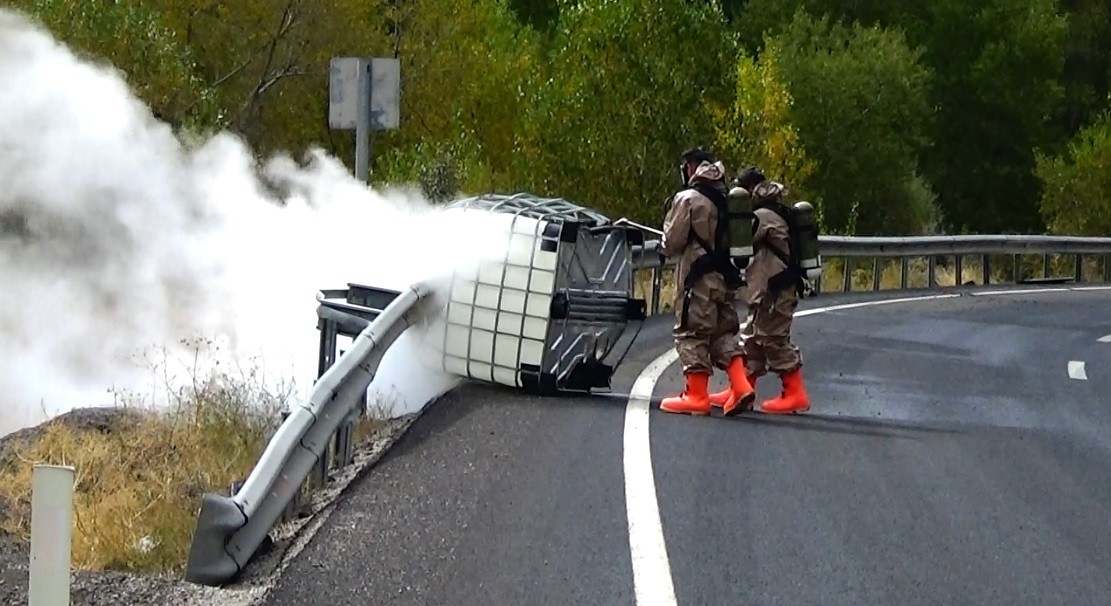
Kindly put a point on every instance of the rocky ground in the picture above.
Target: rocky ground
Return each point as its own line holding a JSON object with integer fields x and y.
{"x": 105, "y": 588}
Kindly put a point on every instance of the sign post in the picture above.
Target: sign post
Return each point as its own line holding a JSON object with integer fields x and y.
{"x": 364, "y": 94}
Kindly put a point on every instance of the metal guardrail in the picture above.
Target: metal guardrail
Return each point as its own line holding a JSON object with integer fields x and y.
{"x": 231, "y": 528}
{"x": 846, "y": 251}
{"x": 883, "y": 246}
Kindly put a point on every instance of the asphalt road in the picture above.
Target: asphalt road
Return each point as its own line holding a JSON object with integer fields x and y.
{"x": 948, "y": 458}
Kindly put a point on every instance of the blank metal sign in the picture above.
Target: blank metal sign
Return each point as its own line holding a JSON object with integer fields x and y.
{"x": 382, "y": 76}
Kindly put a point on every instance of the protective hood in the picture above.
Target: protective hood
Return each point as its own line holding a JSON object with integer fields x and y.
{"x": 769, "y": 190}
{"x": 709, "y": 172}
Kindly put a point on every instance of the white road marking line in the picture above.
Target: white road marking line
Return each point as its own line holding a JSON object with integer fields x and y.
{"x": 1032, "y": 291}
{"x": 651, "y": 571}
{"x": 1104, "y": 339}
{"x": 1023, "y": 291}
{"x": 652, "y": 583}
{"x": 1077, "y": 371}
{"x": 822, "y": 310}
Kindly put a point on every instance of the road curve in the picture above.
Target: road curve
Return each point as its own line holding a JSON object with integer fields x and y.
{"x": 948, "y": 458}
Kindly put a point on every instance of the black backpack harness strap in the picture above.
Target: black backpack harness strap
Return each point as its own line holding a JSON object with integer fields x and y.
{"x": 716, "y": 258}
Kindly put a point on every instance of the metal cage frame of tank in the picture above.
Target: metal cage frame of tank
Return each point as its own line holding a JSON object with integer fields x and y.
{"x": 588, "y": 310}
{"x": 535, "y": 207}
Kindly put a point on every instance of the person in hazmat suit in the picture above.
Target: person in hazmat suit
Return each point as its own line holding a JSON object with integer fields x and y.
{"x": 707, "y": 325}
{"x": 772, "y": 298}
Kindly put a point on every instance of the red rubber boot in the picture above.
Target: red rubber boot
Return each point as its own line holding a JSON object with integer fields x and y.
{"x": 740, "y": 394}
{"x": 793, "y": 399}
{"x": 718, "y": 399}
{"x": 694, "y": 400}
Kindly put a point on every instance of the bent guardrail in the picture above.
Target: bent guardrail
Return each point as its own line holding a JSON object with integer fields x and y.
{"x": 842, "y": 254}
{"x": 230, "y": 529}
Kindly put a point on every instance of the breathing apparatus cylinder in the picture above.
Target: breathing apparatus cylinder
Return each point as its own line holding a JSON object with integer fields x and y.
{"x": 739, "y": 206}
{"x": 806, "y": 239}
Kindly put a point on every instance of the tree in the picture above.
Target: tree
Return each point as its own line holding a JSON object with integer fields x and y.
{"x": 997, "y": 86}
{"x": 1087, "y": 70}
{"x": 133, "y": 37}
{"x": 468, "y": 72}
{"x": 626, "y": 91}
{"x": 998, "y": 66}
{"x": 861, "y": 106}
{"x": 1076, "y": 185}
{"x": 755, "y": 129}
{"x": 540, "y": 14}
{"x": 267, "y": 60}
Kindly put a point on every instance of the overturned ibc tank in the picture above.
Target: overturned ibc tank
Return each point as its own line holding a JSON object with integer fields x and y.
{"x": 553, "y": 311}
{"x": 556, "y": 313}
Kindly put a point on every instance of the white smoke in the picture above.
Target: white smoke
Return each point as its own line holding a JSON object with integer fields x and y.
{"x": 115, "y": 237}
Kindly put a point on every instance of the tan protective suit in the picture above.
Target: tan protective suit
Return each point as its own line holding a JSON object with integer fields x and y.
{"x": 766, "y": 337}
{"x": 710, "y": 337}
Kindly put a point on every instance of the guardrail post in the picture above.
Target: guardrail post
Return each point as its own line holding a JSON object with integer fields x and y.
{"x": 1106, "y": 268}
{"x": 960, "y": 270}
{"x": 1045, "y": 265}
{"x": 657, "y": 279}
{"x": 323, "y": 462}
{"x": 876, "y": 268}
{"x": 932, "y": 274}
{"x": 905, "y": 266}
{"x": 343, "y": 443}
{"x": 1078, "y": 267}
{"x": 51, "y": 535}
{"x": 345, "y": 440}
{"x": 1016, "y": 270}
{"x": 848, "y": 274}
{"x": 987, "y": 269}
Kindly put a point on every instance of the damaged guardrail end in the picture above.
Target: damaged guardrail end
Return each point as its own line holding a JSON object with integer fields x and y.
{"x": 230, "y": 530}
{"x": 209, "y": 563}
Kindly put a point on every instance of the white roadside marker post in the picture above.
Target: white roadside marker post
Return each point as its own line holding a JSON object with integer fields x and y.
{"x": 51, "y": 535}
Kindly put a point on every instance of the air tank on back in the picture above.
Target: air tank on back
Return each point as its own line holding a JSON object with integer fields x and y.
{"x": 740, "y": 227}
{"x": 806, "y": 239}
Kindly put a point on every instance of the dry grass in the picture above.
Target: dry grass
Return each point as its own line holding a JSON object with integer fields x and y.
{"x": 890, "y": 270}
{"x": 139, "y": 485}
{"x": 642, "y": 288}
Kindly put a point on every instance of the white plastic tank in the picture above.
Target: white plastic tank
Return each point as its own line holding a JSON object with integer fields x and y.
{"x": 495, "y": 318}
{"x": 547, "y": 308}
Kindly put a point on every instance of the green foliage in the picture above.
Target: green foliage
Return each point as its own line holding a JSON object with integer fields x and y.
{"x": 998, "y": 65}
{"x": 1087, "y": 62}
{"x": 861, "y": 104}
{"x": 133, "y": 38}
{"x": 1076, "y": 195}
{"x": 537, "y": 13}
{"x": 267, "y": 61}
{"x": 467, "y": 70}
{"x": 442, "y": 170}
{"x": 755, "y": 128}
{"x": 627, "y": 89}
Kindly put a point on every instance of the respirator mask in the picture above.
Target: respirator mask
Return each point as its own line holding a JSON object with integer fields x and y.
{"x": 684, "y": 179}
